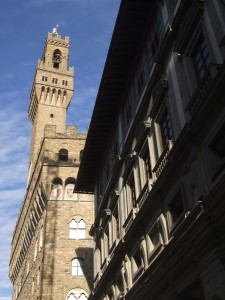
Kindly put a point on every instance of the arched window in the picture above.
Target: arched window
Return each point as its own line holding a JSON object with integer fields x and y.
{"x": 73, "y": 230}
{"x": 56, "y": 193}
{"x": 72, "y": 297}
{"x": 77, "y": 294}
{"x": 69, "y": 189}
{"x": 56, "y": 58}
{"x": 63, "y": 154}
{"x": 77, "y": 229}
{"x": 81, "y": 230}
{"x": 77, "y": 267}
{"x": 82, "y": 297}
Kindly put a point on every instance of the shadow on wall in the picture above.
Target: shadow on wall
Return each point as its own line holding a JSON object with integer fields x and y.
{"x": 87, "y": 255}
{"x": 84, "y": 253}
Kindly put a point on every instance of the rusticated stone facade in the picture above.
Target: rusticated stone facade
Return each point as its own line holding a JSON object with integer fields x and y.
{"x": 51, "y": 256}
{"x": 157, "y": 146}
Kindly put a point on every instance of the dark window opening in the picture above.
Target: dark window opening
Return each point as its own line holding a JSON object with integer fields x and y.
{"x": 51, "y": 116}
{"x": 176, "y": 207}
{"x": 63, "y": 154}
{"x": 154, "y": 236}
{"x": 55, "y": 65}
{"x": 107, "y": 239}
{"x": 166, "y": 131}
{"x": 147, "y": 164}
{"x": 200, "y": 57}
{"x": 56, "y": 59}
{"x": 137, "y": 258}
{"x": 117, "y": 227}
{"x": 132, "y": 194}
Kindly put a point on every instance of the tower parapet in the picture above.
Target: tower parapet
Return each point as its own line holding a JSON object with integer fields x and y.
{"x": 52, "y": 90}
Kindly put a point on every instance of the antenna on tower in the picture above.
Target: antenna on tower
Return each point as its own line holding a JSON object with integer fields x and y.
{"x": 55, "y": 30}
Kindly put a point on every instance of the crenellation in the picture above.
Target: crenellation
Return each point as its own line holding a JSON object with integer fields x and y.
{"x": 58, "y": 37}
{"x": 71, "y": 130}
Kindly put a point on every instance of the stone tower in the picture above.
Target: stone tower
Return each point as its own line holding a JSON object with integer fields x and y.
{"x": 52, "y": 90}
{"x": 51, "y": 255}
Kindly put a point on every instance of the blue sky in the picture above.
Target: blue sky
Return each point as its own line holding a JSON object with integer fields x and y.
{"x": 23, "y": 29}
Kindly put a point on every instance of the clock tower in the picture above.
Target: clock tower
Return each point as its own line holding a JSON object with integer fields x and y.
{"x": 52, "y": 90}
{"x": 51, "y": 254}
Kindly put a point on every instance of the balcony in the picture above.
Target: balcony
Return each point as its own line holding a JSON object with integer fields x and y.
{"x": 143, "y": 195}
{"x": 203, "y": 89}
{"x": 130, "y": 219}
{"x": 163, "y": 159}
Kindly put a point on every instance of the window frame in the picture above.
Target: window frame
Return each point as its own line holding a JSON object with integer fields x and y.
{"x": 75, "y": 231}
{"x": 77, "y": 268}
{"x": 198, "y": 51}
{"x": 55, "y": 80}
{"x": 153, "y": 248}
{"x": 44, "y": 78}
{"x": 63, "y": 155}
{"x": 136, "y": 268}
{"x": 144, "y": 164}
{"x": 172, "y": 224}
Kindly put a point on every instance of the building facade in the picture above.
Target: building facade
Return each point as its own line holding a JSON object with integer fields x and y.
{"x": 51, "y": 255}
{"x": 154, "y": 156}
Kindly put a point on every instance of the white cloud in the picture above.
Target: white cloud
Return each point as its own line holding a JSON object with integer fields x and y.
{"x": 14, "y": 151}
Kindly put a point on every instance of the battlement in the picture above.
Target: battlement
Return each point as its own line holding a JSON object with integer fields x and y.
{"x": 58, "y": 37}
{"x": 71, "y": 132}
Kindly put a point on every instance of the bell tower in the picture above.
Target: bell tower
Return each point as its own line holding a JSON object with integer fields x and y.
{"x": 52, "y": 90}
{"x": 51, "y": 253}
